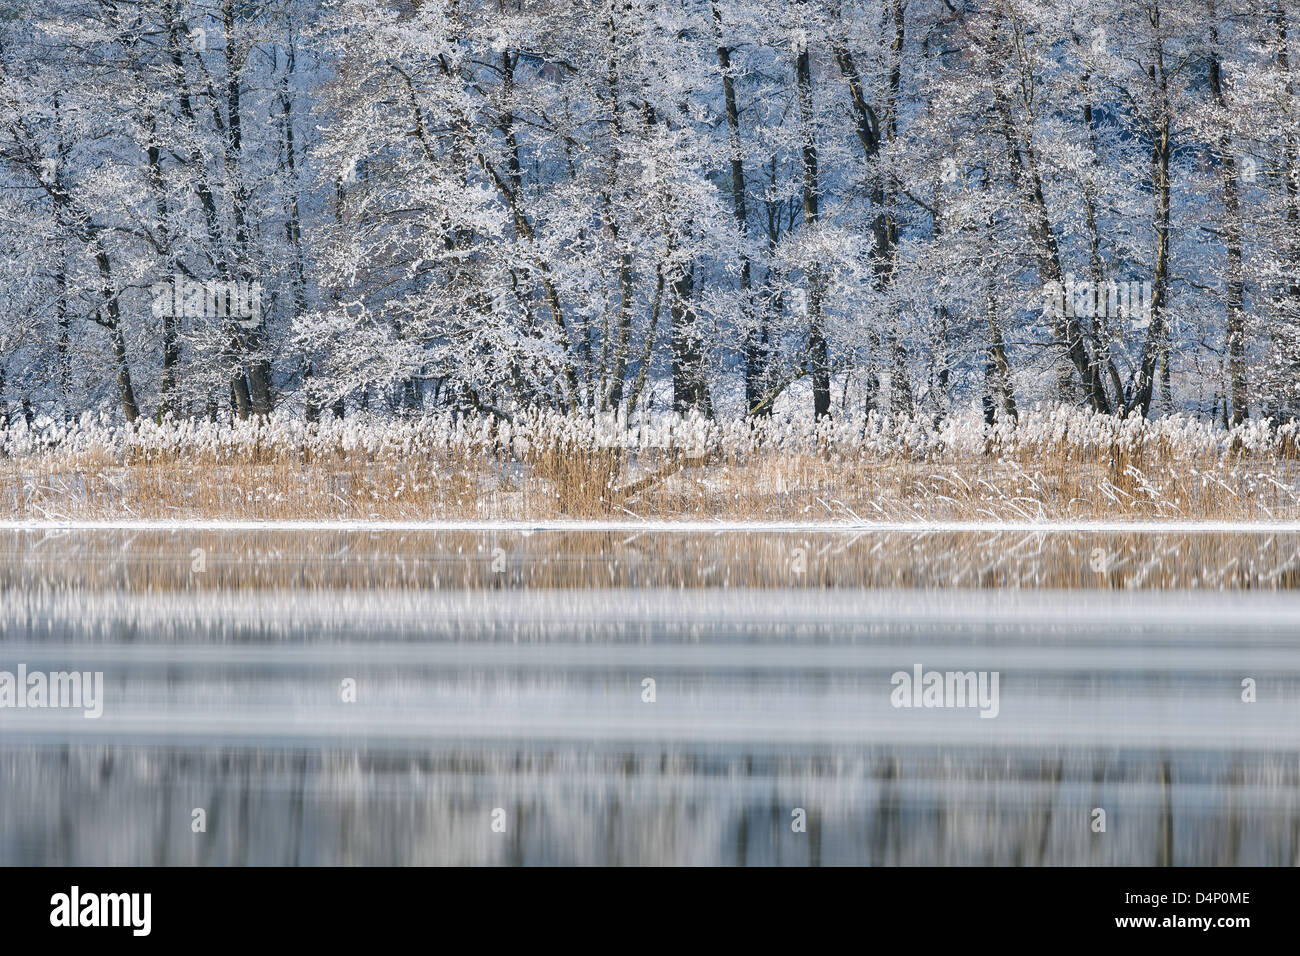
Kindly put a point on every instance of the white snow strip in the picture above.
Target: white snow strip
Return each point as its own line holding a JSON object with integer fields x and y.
{"x": 668, "y": 527}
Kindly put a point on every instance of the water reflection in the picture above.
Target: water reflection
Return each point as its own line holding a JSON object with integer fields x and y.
{"x": 204, "y": 560}
{"x": 225, "y": 692}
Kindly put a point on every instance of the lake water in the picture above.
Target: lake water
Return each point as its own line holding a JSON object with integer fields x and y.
{"x": 452, "y": 698}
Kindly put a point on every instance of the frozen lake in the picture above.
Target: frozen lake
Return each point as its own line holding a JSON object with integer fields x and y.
{"x": 714, "y": 699}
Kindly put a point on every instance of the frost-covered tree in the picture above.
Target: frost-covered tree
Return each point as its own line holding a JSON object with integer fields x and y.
{"x": 223, "y": 207}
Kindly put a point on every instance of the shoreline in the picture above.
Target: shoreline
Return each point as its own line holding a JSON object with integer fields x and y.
{"x": 661, "y": 526}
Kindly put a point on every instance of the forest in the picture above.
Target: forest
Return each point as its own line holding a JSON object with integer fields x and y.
{"x": 229, "y": 209}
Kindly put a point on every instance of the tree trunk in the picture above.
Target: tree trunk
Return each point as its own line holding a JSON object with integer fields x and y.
{"x": 257, "y": 368}
{"x": 1156, "y": 345}
{"x": 1232, "y": 230}
{"x": 126, "y": 390}
{"x": 817, "y": 349}
{"x": 754, "y": 359}
{"x": 647, "y": 352}
{"x": 170, "y": 341}
{"x": 690, "y": 383}
{"x": 1101, "y": 330}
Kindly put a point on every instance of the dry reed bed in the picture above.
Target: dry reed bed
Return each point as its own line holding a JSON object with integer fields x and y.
{"x": 1055, "y": 463}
